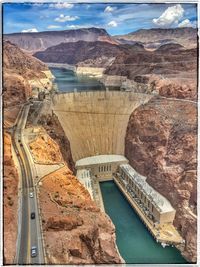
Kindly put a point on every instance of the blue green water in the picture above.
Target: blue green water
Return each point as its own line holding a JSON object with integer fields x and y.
{"x": 134, "y": 241}
{"x": 68, "y": 81}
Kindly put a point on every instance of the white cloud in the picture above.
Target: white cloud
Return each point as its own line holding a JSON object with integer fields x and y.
{"x": 80, "y": 26}
{"x": 109, "y": 9}
{"x": 112, "y": 23}
{"x": 186, "y": 23}
{"x": 53, "y": 27}
{"x": 170, "y": 16}
{"x": 30, "y": 30}
{"x": 73, "y": 26}
{"x": 61, "y": 5}
{"x": 63, "y": 18}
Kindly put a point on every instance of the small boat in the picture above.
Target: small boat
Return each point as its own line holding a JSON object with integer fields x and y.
{"x": 163, "y": 244}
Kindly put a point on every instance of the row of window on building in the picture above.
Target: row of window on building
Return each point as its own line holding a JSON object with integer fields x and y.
{"x": 105, "y": 168}
{"x": 138, "y": 192}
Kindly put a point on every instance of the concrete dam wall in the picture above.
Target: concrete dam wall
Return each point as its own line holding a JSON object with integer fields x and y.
{"x": 95, "y": 122}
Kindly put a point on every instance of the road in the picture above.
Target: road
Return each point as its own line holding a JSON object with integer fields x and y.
{"x": 29, "y": 229}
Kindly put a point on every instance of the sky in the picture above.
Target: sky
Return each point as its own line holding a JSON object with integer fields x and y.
{"x": 114, "y": 17}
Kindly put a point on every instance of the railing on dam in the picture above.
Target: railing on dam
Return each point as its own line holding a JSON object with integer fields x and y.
{"x": 102, "y": 95}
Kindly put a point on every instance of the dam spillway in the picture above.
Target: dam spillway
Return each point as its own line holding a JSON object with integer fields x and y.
{"x": 96, "y": 122}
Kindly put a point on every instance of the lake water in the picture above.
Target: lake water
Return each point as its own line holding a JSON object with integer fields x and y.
{"x": 68, "y": 81}
{"x": 134, "y": 241}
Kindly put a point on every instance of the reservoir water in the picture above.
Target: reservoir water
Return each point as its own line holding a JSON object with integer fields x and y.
{"x": 68, "y": 81}
{"x": 134, "y": 241}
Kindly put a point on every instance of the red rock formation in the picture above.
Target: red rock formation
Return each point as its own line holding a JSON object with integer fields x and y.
{"x": 75, "y": 230}
{"x": 161, "y": 143}
{"x": 56, "y": 132}
{"x": 10, "y": 192}
{"x": 44, "y": 150}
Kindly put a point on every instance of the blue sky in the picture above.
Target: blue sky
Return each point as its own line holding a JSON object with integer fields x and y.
{"x": 115, "y": 18}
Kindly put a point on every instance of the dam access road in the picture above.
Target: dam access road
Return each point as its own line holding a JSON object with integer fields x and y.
{"x": 29, "y": 232}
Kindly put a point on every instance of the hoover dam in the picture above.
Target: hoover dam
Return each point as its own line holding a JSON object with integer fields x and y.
{"x": 95, "y": 122}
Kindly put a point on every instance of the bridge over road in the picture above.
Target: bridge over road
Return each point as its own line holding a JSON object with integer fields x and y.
{"x": 95, "y": 122}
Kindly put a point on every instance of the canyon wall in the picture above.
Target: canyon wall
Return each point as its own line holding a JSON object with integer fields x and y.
{"x": 22, "y": 75}
{"x": 95, "y": 122}
{"x": 161, "y": 143}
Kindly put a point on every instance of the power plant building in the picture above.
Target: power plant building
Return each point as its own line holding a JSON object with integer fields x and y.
{"x": 156, "y": 207}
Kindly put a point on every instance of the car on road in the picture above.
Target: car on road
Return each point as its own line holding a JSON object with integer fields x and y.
{"x": 31, "y": 194}
{"x": 33, "y": 251}
{"x": 32, "y": 215}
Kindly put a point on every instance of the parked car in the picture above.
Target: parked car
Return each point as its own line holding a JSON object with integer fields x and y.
{"x": 32, "y": 215}
{"x": 33, "y": 251}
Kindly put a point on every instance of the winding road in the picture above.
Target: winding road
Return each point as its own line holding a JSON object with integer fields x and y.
{"x": 29, "y": 230}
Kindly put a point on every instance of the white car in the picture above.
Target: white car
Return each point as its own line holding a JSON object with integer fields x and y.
{"x": 33, "y": 251}
{"x": 31, "y": 194}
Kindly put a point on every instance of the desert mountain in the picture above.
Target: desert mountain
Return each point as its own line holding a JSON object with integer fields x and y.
{"x": 18, "y": 69}
{"x": 39, "y": 41}
{"x": 153, "y": 38}
{"x": 170, "y": 62}
{"x": 75, "y": 52}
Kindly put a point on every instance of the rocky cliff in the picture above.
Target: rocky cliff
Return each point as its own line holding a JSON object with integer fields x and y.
{"x": 169, "y": 70}
{"x": 20, "y": 72}
{"x": 75, "y": 230}
{"x": 161, "y": 143}
{"x": 153, "y": 38}
{"x": 40, "y": 41}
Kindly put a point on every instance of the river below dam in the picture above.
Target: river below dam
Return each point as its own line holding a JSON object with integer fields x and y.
{"x": 68, "y": 81}
{"x": 135, "y": 243}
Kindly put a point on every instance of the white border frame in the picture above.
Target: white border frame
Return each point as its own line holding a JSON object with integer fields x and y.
{"x": 1, "y": 113}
